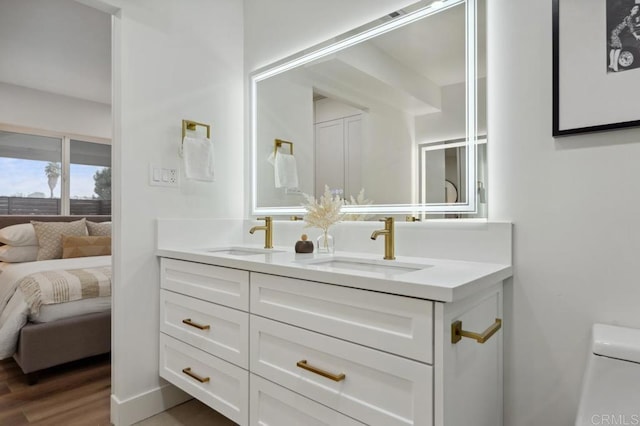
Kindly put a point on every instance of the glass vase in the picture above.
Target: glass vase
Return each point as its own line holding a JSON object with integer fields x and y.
{"x": 325, "y": 243}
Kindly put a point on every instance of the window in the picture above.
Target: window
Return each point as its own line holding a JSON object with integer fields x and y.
{"x": 90, "y": 178}
{"x": 53, "y": 174}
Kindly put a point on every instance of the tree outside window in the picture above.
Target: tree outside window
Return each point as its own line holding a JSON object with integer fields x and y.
{"x": 102, "y": 180}
{"x": 52, "y": 170}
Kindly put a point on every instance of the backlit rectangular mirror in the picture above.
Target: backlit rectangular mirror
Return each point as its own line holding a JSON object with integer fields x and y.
{"x": 390, "y": 116}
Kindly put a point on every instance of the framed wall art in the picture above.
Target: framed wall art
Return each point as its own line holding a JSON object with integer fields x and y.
{"x": 596, "y": 65}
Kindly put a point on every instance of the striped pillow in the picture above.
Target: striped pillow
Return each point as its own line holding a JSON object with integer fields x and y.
{"x": 73, "y": 246}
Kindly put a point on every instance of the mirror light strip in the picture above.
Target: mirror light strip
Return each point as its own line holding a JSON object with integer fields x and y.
{"x": 403, "y": 20}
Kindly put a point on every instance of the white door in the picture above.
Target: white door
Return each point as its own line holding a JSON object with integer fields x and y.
{"x": 329, "y": 156}
{"x": 338, "y": 156}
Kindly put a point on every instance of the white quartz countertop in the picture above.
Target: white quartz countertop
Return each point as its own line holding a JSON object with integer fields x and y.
{"x": 435, "y": 279}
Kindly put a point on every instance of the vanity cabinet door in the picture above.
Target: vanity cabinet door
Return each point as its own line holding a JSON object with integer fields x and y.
{"x": 225, "y": 286}
{"x": 471, "y": 371}
{"x": 371, "y": 386}
{"x": 274, "y": 405}
{"x": 217, "y": 383}
{"x": 396, "y": 324}
{"x": 213, "y": 328}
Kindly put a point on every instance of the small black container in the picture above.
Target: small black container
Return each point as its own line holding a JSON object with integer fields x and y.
{"x": 304, "y": 246}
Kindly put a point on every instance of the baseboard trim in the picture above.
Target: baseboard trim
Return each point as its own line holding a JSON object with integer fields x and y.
{"x": 147, "y": 404}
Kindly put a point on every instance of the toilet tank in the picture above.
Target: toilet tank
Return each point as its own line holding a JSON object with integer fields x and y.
{"x": 616, "y": 342}
{"x": 611, "y": 383}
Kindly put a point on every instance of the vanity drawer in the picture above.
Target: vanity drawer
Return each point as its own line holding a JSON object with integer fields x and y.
{"x": 396, "y": 324}
{"x": 274, "y": 405}
{"x": 377, "y": 388}
{"x": 222, "y": 386}
{"x": 213, "y": 328}
{"x": 226, "y": 286}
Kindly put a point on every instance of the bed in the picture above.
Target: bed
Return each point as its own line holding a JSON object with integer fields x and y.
{"x": 58, "y": 333}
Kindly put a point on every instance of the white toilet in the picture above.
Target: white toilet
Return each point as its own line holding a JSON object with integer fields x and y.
{"x": 611, "y": 384}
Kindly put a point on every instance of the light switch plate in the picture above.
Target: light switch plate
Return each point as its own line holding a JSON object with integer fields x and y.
{"x": 163, "y": 176}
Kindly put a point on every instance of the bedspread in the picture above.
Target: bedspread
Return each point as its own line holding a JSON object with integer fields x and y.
{"x": 14, "y": 309}
{"x": 49, "y": 287}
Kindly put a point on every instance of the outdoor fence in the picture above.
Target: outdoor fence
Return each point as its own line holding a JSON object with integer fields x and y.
{"x": 51, "y": 206}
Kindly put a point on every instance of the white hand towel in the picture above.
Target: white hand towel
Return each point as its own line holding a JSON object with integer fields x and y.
{"x": 197, "y": 153}
{"x": 286, "y": 172}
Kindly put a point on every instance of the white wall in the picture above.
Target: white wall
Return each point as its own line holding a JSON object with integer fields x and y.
{"x": 57, "y": 46}
{"x": 36, "y": 109}
{"x": 575, "y": 207}
{"x": 387, "y": 149}
{"x": 327, "y": 109}
{"x": 172, "y": 61}
{"x": 572, "y": 200}
{"x": 450, "y": 123}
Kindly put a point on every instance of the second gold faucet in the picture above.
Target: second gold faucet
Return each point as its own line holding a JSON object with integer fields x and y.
{"x": 389, "y": 236}
{"x": 268, "y": 231}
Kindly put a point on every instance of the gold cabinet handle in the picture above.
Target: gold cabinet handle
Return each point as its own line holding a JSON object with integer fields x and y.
{"x": 457, "y": 333}
{"x": 196, "y": 325}
{"x": 335, "y": 377}
{"x": 188, "y": 372}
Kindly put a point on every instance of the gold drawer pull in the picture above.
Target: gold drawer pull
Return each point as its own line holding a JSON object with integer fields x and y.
{"x": 196, "y": 325}
{"x": 457, "y": 333}
{"x": 335, "y": 377}
{"x": 188, "y": 372}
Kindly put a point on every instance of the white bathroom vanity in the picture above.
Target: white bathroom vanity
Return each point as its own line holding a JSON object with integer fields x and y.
{"x": 279, "y": 338}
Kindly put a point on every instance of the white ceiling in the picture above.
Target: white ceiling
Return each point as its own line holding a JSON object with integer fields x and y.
{"x": 405, "y": 68}
{"x": 434, "y": 46}
{"x": 58, "y": 46}
{"x": 64, "y": 47}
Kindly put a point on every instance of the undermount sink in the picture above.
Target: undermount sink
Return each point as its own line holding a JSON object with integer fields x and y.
{"x": 242, "y": 251}
{"x": 389, "y": 267}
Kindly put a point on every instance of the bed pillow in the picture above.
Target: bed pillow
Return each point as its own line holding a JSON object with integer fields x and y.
{"x": 20, "y": 235}
{"x": 49, "y": 236}
{"x": 102, "y": 229}
{"x": 85, "y": 246}
{"x": 12, "y": 254}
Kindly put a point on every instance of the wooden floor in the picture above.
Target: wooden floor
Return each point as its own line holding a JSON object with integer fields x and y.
{"x": 78, "y": 394}
{"x": 73, "y": 394}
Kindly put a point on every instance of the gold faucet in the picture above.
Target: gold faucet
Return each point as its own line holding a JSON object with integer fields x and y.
{"x": 388, "y": 238}
{"x": 268, "y": 231}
